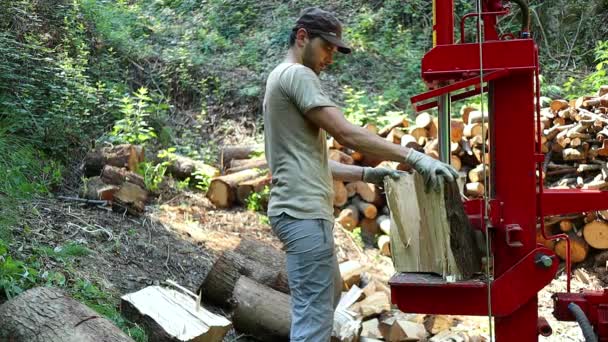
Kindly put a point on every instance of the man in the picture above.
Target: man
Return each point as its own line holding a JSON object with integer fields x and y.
{"x": 297, "y": 115}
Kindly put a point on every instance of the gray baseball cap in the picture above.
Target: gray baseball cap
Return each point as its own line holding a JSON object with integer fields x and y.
{"x": 323, "y": 24}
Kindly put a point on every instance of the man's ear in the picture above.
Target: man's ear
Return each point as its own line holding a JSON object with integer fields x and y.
{"x": 301, "y": 37}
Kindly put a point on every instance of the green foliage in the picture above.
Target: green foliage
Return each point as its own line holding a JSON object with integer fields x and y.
{"x": 15, "y": 275}
{"x": 256, "y": 201}
{"x": 362, "y": 108}
{"x": 356, "y": 235}
{"x": 153, "y": 174}
{"x": 592, "y": 82}
{"x": 133, "y": 128}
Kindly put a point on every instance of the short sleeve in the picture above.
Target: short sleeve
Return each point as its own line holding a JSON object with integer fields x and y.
{"x": 303, "y": 88}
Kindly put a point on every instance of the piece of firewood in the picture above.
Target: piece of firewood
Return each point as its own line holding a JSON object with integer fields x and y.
{"x": 227, "y": 153}
{"x": 375, "y": 304}
{"x": 558, "y": 105}
{"x": 125, "y": 155}
{"x": 370, "y": 330}
{"x": 236, "y": 163}
{"x": 349, "y": 217}
{"x": 479, "y": 173}
{"x": 222, "y": 189}
{"x": 384, "y": 223}
{"x": 156, "y": 308}
{"x": 578, "y": 248}
{"x": 351, "y": 273}
{"x": 596, "y": 234}
{"x": 351, "y": 189}
{"x": 367, "y": 209}
{"x": 424, "y": 119}
{"x": 182, "y": 167}
{"x": 254, "y": 163}
{"x": 95, "y": 189}
{"x": 116, "y": 176}
{"x": 384, "y": 245}
{"x": 475, "y": 189}
{"x": 261, "y": 311}
{"x": 369, "y": 227}
{"x": 541, "y": 240}
{"x": 432, "y": 232}
{"x": 597, "y": 101}
{"x": 246, "y": 188}
{"x": 340, "y": 157}
{"x": 130, "y": 197}
{"x": 435, "y": 324}
{"x": 340, "y": 193}
{"x": 398, "y": 122}
{"x": 50, "y": 314}
{"x": 566, "y": 225}
{"x": 395, "y": 135}
{"x": 456, "y": 130}
{"x": 472, "y": 130}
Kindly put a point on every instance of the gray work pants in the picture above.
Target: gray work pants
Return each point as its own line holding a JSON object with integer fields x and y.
{"x": 313, "y": 274}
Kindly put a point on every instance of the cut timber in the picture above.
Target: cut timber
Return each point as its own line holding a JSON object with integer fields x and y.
{"x": 261, "y": 311}
{"x": 340, "y": 193}
{"x": 367, "y": 209}
{"x": 262, "y": 252}
{"x": 369, "y": 227}
{"x": 340, "y": 157}
{"x": 182, "y": 167}
{"x": 456, "y": 162}
{"x": 541, "y": 239}
{"x": 578, "y": 248}
{"x": 566, "y": 225}
{"x": 435, "y": 324}
{"x": 395, "y": 135}
{"x": 475, "y": 189}
{"x": 116, "y": 176}
{"x": 125, "y": 155}
{"x": 384, "y": 223}
{"x": 349, "y": 217}
{"x": 130, "y": 197}
{"x": 431, "y": 231}
{"x": 465, "y": 111}
{"x": 351, "y": 274}
{"x": 222, "y": 190}
{"x": 49, "y": 314}
{"x": 169, "y": 315}
{"x": 456, "y": 130}
{"x": 424, "y": 119}
{"x": 597, "y": 101}
{"x": 418, "y": 132}
{"x": 351, "y": 189}
{"x": 558, "y": 105}
{"x": 227, "y": 153}
{"x": 397, "y": 330}
{"x": 478, "y": 174}
{"x": 398, "y": 122}
{"x": 218, "y": 286}
{"x": 375, "y": 304}
{"x": 471, "y": 130}
{"x": 384, "y": 245}
{"x": 246, "y": 188}
{"x": 368, "y": 192}
{"x": 596, "y": 234}
{"x": 370, "y": 330}
{"x": 255, "y": 163}
{"x": 95, "y": 189}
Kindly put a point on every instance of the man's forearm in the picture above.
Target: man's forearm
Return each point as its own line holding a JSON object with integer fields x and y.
{"x": 344, "y": 172}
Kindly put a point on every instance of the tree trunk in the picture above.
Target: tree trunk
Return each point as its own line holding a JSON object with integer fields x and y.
{"x": 183, "y": 167}
{"x": 432, "y": 233}
{"x": 130, "y": 197}
{"x": 261, "y": 311}
{"x": 116, "y": 176}
{"x": 255, "y": 163}
{"x": 222, "y": 190}
{"x": 219, "y": 284}
{"x": 227, "y": 153}
{"x": 168, "y": 315}
{"x": 262, "y": 252}
{"x": 47, "y": 314}
{"x": 596, "y": 234}
{"x": 95, "y": 189}
{"x": 125, "y": 155}
{"x": 246, "y": 188}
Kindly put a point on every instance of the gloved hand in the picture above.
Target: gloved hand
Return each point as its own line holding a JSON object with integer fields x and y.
{"x": 432, "y": 170}
{"x": 376, "y": 175}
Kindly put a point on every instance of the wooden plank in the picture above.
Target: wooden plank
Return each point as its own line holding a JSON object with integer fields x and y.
{"x": 426, "y": 234}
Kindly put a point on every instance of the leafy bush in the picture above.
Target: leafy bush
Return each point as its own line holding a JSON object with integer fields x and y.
{"x": 592, "y": 82}
{"x": 256, "y": 201}
{"x": 133, "y": 128}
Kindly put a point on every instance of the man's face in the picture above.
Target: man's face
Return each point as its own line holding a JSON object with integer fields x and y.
{"x": 318, "y": 54}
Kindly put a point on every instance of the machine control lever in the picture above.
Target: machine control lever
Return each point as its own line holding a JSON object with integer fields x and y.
{"x": 543, "y": 260}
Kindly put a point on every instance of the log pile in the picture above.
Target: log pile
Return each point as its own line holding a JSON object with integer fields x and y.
{"x": 576, "y": 151}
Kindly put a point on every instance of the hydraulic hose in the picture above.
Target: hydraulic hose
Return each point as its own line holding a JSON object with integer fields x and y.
{"x": 525, "y": 15}
{"x": 583, "y": 322}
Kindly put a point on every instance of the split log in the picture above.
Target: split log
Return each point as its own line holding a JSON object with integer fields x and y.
{"x": 351, "y": 189}
{"x": 131, "y": 198}
{"x": 566, "y": 225}
{"x": 397, "y": 330}
{"x": 597, "y": 101}
{"x": 456, "y": 130}
{"x": 351, "y": 273}
{"x": 578, "y": 248}
{"x": 435, "y": 324}
{"x": 384, "y": 223}
{"x": 370, "y": 330}
{"x": 424, "y": 120}
{"x": 261, "y": 311}
{"x": 340, "y": 193}
{"x": 222, "y": 190}
{"x": 479, "y": 173}
{"x": 116, "y": 176}
{"x": 558, "y": 105}
{"x": 349, "y": 217}
{"x": 125, "y": 155}
{"x": 367, "y": 209}
{"x": 340, "y": 157}
{"x": 369, "y": 193}
{"x": 395, "y": 135}
{"x": 369, "y": 227}
{"x": 95, "y": 189}
{"x": 227, "y": 153}
{"x": 168, "y": 315}
{"x": 474, "y": 189}
{"x": 219, "y": 284}
{"x": 472, "y": 130}
{"x": 373, "y": 305}
{"x": 596, "y": 234}
{"x": 432, "y": 230}
{"x": 49, "y": 314}
{"x": 246, "y": 188}
{"x": 182, "y": 167}
{"x": 541, "y": 240}
{"x": 384, "y": 245}
{"x": 255, "y": 163}
{"x": 398, "y": 122}
{"x": 418, "y": 133}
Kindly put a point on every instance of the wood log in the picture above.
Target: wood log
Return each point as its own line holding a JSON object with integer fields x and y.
{"x": 222, "y": 189}
{"x": 369, "y": 227}
{"x": 95, "y": 189}
{"x": 218, "y": 286}
{"x": 435, "y": 324}
{"x": 596, "y": 234}
{"x": 49, "y": 314}
{"x": 374, "y": 305}
{"x": 456, "y": 130}
{"x": 558, "y": 105}
{"x": 456, "y": 162}
{"x": 182, "y": 167}
{"x": 261, "y": 311}
{"x": 125, "y": 155}
{"x": 432, "y": 233}
{"x": 340, "y": 157}
{"x": 384, "y": 245}
{"x": 169, "y": 315}
{"x": 256, "y": 163}
{"x": 349, "y": 217}
{"x": 566, "y": 225}
{"x": 541, "y": 240}
{"x": 417, "y": 133}
{"x": 246, "y": 188}
{"x": 351, "y": 189}
{"x": 351, "y": 273}
{"x": 395, "y": 135}
{"x": 367, "y": 209}
{"x": 370, "y": 330}
{"x": 130, "y": 197}
{"x": 384, "y": 223}
{"x": 340, "y": 193}
{"x": 397, "y": 122}
{"x": 227, "y": 153}
{"x": 578, "y": 248}
{"x": 116, "y": 176}
{"x": 472, "y": 130}
{"x": 234, "y": 163}
{"x": 478, "y": 174}
{"x": 475, "y": 189}
{"x": 597, "y": 101}
{"x": 424, "y": 119}
{"x": 465, "y": 111}
{"x": 369, "y": 193}
{"x": 262, "y": 252}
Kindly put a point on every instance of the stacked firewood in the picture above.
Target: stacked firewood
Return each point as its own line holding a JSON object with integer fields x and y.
{"x": 576, "y": 151}
{"x": 111, "y": 178}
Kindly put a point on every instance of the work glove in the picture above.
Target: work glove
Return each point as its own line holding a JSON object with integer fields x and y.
{"x": 375, "y": 175}
{"x": 433, "y": 171}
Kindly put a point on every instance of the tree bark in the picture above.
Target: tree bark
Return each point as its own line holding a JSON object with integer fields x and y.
{"x": 95, "y": 189}
{"x": 222, "y": 190}
{"x": 184, "y": 167}
{"x": 125, "y": 155}
{"x": 246, "y": 188}
{"x": 255, "y": 163}
{"x": 47, "y": 314}
{"x": 130, "y": 197}
{"x": 227, "y": 153}
{"x": 116, "y": 176}
{"x": 261, "y": 311}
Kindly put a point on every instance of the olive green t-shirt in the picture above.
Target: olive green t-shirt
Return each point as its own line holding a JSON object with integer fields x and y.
{"x": 295, "y": 148}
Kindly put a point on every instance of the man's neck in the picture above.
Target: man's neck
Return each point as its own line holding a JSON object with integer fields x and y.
{"x": 293, "y": 57}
